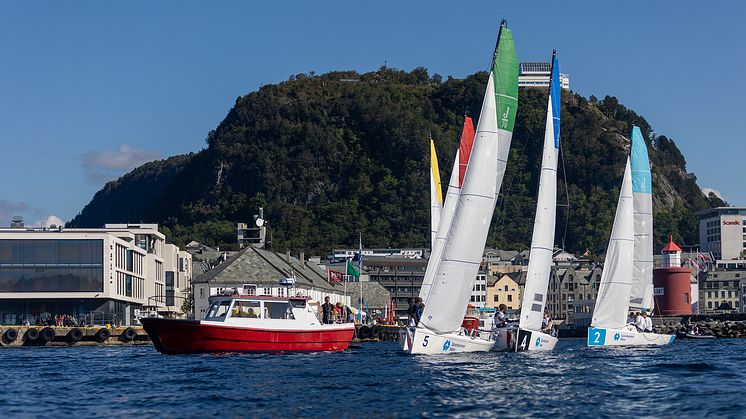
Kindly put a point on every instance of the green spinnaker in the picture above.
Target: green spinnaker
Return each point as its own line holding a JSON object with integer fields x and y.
{"x": 505, "y": 73}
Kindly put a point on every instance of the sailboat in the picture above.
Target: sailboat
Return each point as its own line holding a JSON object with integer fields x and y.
{"x": 440, "y": 218}
{"x": 455, "y": 269}
{"x": 621, "y": 279}
{"x": 528, "y": 336}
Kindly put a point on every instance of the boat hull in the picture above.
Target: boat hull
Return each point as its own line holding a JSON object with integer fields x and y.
{"x": 422, "y": 341}
{"x": 533, "y": 340}
{"x": 598, "y": 336}
{"x": 171, "y": 336}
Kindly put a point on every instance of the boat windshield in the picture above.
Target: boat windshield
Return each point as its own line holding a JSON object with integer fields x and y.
{"x": 218, "y": 311}
{"x": 278, "y": 310}
{"x": 247, "y": 309}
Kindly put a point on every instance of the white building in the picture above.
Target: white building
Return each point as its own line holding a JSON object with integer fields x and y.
{"x": 538, "y": 75}
{"x": 98, "y": 274}
{"x": 722, "y": 231}
{"x": 411, "y": 253}
{"x": 479, "y": 291}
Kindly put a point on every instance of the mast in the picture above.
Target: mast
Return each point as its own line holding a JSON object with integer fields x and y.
{"x": 542, "y": 240}
{"x": 457, "y": 268}
{"x": 612, "y": 301}
{"x": 641, "y": 293}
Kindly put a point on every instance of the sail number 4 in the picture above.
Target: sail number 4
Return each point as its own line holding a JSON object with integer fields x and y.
{"x": 596, "y": 337}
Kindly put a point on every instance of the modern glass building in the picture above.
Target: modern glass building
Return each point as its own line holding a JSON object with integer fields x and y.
{"x": 107, "y": 275}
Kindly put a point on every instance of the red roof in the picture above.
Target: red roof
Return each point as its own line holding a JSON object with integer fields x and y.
{"x": 671, "y": 246}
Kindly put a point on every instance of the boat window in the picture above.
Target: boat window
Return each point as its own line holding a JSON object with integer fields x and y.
{"x": 246, "y": 309}
{"x": 218, "y": 311}
{"x": 278, "y": 310}
{"x": 298, "y": 303}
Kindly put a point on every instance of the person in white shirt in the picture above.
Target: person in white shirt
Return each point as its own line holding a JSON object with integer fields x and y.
{"x": 648, "y": 322}
{"x": 640, "y": 322}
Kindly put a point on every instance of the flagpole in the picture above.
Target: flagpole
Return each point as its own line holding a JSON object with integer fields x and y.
{"x": 360, "y": 273}
{"x": 344, "y": 280}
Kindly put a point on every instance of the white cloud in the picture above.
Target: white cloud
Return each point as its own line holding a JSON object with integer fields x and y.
{"x": 100, "y": 166}
{"x": 717, "y": 193}
{"x": 54, "y": 220}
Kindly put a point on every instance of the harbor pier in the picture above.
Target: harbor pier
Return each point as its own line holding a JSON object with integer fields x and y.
{"x": 15, "y": 336}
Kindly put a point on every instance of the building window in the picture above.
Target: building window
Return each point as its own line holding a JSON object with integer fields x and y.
{"x": 170, "y": 288}
{"x": 709, "y": 304}
{"x": 496, "y": 298}
{"x": 510, "y": 298}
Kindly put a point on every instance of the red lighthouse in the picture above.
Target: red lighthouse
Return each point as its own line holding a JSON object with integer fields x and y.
{"x": 672, "y": 290}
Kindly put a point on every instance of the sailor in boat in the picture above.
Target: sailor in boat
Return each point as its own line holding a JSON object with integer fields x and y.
{"x": 411, "y": 312}
{"x": 327, "y": 311}
{"x": 501, "y": 316}
{"x": 643, "y": 322}
{"x": 547, "y": 325}
{"x": 418, "y": 312}
{"x": 648, "y": 321}
{"x": 632, "y": 318}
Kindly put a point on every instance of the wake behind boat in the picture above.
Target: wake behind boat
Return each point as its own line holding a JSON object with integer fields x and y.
{"x": 250, "y": 324}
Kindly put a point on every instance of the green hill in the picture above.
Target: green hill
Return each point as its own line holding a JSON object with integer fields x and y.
{"x": 332, "y": 155}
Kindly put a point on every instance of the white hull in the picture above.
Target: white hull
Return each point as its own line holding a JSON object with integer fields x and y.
{"x": 532, "y": 340}
{"x": 626, "y": 336}
{"x": 426, "y": 342}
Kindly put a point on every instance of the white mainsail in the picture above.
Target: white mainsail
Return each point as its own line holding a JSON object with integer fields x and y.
{"x": 462, "y": 252}
{"x": 641, "y": 293}
{"x": 612, "y": 302}
{"x": 542, "y": 241}
{"x": 436, "y": 194}
{"x": 454, "y": 189}
{"x": 441, "y": 230}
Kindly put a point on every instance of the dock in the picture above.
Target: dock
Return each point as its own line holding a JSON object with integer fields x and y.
{"x": 15, "y": 336}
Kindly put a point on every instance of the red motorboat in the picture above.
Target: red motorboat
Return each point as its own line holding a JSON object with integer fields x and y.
{"x": 250, "y": 324}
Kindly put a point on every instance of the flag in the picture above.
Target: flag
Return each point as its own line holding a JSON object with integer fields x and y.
{"x": 352, "y": 270}
{"x": 334, "y": 276}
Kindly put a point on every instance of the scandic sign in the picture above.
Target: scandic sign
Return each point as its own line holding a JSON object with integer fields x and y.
{"x": 731, "y": 223}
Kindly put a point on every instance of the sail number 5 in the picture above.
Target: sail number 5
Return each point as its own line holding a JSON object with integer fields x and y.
{"x": 425, "y": 341}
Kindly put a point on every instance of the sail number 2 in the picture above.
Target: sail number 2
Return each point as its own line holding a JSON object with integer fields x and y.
{"x": 596, "y": 337}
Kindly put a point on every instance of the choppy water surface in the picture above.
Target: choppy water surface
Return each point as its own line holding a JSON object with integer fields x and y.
{"x": 689, "y": 378}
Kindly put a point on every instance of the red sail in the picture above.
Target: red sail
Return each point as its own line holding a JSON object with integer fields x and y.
{"x": 464, "y": 148}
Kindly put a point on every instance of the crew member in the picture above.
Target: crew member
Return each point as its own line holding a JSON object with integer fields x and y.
{"x": 327, "y": 310}
{"x": 501, "y": 315}
{"x": 547, "y": 325}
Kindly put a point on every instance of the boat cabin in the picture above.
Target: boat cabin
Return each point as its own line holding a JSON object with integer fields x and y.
{"x": 242, "y": 309}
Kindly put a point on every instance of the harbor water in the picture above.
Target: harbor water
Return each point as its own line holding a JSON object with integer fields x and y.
{"x": 688, "y": 378}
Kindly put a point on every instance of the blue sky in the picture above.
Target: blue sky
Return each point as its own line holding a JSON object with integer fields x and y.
{"x": 89, "y": 90}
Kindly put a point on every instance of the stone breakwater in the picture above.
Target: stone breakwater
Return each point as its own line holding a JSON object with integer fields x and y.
{"x": 718, "y": 326}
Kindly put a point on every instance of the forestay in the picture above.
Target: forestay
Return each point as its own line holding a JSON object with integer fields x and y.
{"x": 612, "y": 301}
{"x": 462, "y": 252}
{"x": 542, "y": 241}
